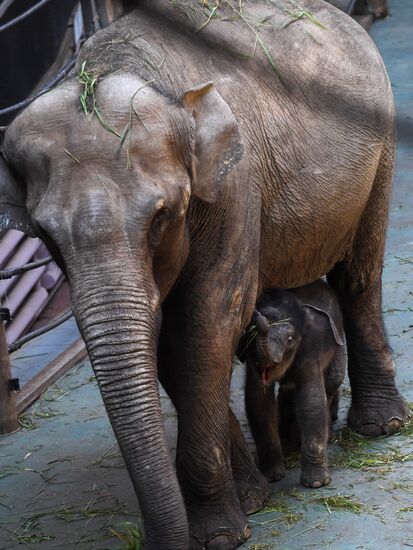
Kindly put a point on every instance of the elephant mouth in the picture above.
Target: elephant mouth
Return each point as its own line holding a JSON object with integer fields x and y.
{"x": 271, "y": 372}
{"x": 267, "y": 374}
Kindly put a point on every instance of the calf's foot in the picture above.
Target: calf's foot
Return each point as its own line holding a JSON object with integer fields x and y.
{"x": 315, "y": 475}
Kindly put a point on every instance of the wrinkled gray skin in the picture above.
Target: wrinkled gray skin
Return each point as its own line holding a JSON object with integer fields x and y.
{"x": 215, "y": 192}
{"x": 300, "y": 343}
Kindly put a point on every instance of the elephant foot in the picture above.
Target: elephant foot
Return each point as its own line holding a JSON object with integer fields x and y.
{"x": 252, "y": 489}
{"x": 273, "y": 471}
{"x": 315, "y": 476}
{"x": 378, "y": 414}
{"x": 223, "y": 530}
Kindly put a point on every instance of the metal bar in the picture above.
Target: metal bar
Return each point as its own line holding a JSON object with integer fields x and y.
{"x": 53, "y": 324}
{"x": 91, "y": 19}
{"x": 8, "y": 410}
{"x": 23, "y": 15}
{"x": 8, "y": 273}
{"x": 60, "y": 75}
{"x": 4, "y": 6}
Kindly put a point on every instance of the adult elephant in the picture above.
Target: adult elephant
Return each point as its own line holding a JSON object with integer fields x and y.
{"x": 194, "y": 158}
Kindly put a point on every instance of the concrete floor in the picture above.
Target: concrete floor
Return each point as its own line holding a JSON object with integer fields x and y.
{"x": 63, "y": 483}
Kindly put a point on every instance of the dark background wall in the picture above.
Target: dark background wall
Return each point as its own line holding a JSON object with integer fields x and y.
{"x": 29, "y": 48}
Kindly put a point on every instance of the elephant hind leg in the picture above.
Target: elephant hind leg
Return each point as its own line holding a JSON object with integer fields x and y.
{"x": 377, "y": 407}
{"x": 333, "y": 379}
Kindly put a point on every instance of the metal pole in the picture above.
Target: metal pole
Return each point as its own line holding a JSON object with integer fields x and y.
{"x": 8, "y": 411}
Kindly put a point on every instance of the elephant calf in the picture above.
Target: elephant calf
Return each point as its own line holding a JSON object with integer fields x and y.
{"x": 300, "y": 343}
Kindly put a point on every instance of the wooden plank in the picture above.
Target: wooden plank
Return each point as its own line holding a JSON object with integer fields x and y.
{"x": 109, "y": 11}
{"x": 8, "y": 411}
{"x": 31, "y": 391}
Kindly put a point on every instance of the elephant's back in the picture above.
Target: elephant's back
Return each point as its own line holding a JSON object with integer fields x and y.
{"x": 310, "y": 94}
{"x": 249, "y": 49}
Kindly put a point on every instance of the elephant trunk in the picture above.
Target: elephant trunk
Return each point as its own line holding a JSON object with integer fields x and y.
{"x": 269, "y": 352}
{"x": 119, "y": 316}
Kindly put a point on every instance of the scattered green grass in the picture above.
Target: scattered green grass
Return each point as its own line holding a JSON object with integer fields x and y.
{"x": 130, "y": 534}
{"x": 29, "y": 420}
{"x": 407, "y": 428}
{"x": 340, "y": 502}
{"x": 24, "y": 533}
{"x": 291, "y": 518}
{"x": 7, "y": 471}
{"x": 91, "y": 511}
{"x": 294, "y": 493}
{"x": 236, "y": 12}
{"x": 211, "y": 12}
{"x": 33, "y": 538}
{"x": 362, "y": 454}
{"x": 286, "y": 515}
{"x": 258, "y": 40}
{"x": 405, "y": 509}
{"x": 404, "y": 260}
{"x": 111, "y": 458}
{"x": 292, "y": 460}
{"x": 279, "y": 507}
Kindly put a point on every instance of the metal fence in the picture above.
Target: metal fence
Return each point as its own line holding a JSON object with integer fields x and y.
{"x": 9, "y": 385}
{"x": 95, "y": 14}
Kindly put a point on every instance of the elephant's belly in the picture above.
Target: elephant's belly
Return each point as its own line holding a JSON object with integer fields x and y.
{"x": 298, "y": 253}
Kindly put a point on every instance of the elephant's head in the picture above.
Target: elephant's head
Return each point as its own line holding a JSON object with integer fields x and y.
{"x": 281, "y": 321}
{"x": 278, "y": 324}
{"x": 106, "y": 182}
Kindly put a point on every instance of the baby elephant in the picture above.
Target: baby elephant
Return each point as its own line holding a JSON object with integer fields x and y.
{"x": 296, "y": 338}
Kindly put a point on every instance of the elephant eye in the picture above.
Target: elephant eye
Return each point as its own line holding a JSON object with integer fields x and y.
{"x": 290, "y": 339}
{"x": 159, "y": 224}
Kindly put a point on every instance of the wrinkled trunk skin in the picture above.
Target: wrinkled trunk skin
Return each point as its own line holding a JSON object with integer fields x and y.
{"x": 118, "y": 313}
{"x": 267, "y": 352}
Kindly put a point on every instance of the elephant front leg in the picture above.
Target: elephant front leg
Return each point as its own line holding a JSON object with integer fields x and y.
{"x": 261, "y": 407}
{"x": 313, "y": 420}
{"x": 200, "y": 395}
{"x": 202, "y": 373}
{"x": 252, "y": 487}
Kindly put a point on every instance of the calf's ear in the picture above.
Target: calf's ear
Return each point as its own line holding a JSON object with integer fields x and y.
{"x": 333, "y": 326}
{"x": 13, "y": 212}
{"x": 217, "y": 142}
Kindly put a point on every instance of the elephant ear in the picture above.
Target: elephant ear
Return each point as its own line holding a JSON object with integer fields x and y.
{"x": 333, "y": 326}
{"x": 218, "y": 147}
{"x": 13, "y": 213}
